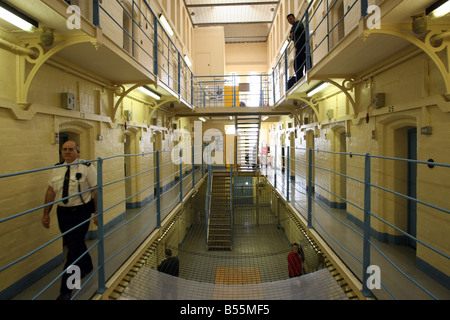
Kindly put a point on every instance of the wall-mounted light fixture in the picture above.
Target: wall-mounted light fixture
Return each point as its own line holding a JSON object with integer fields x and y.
{"x": 188, "y": 62}
{"x": 317, "y": 89}
{"x": 165, "y": 24}
{"x": 265, "y": 118}
{"x": 202, "y": 119}
{"x": 149, "y": 93}
{"x": 17, "y": 18}
{"x": 439, "y": 8}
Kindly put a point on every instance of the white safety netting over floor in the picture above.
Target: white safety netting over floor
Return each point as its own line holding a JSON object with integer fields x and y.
{"x": 150, "y": 284}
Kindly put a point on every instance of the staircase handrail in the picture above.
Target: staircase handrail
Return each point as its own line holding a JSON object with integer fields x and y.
{"x": 208, "y": 200}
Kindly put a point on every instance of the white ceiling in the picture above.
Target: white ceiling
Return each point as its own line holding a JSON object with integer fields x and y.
{"x": 243, "y": 20}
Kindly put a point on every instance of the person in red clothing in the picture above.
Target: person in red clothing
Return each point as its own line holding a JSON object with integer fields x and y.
{"x": 295, "y": 261}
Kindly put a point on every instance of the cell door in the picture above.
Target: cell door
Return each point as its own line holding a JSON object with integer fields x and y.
{"x": 412, "y": 185}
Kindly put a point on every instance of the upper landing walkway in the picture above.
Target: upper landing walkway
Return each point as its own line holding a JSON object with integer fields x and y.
{"x": 124, "y": 56}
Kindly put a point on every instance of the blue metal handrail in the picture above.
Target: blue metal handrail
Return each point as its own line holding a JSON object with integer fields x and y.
{"x": 365, "y": 235}
{"x": 102, "y": 236}
{"x": 169, "y": 66}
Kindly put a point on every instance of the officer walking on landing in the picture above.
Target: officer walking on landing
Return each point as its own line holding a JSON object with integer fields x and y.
{"x": 67, "y": 181}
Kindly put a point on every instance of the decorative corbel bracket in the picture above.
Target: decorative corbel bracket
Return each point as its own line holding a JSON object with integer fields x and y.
{"x": 28, "y": 66}
{"x": 160, "y": 103}
{"x": 437, "y": 39}
{"x": 312, "y": 102}
{"x": 153, "y": 105}
{"x": 345, "y": 91}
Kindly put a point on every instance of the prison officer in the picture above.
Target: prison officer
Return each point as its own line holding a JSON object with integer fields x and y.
{"x": 65, "y": 182}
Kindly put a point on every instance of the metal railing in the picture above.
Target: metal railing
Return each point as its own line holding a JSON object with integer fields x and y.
{"x": 147, "y": 41}
{"x": 252, "y": 90}
{"x": 302, "y": 179}
{"x": 163, "y": 188}
{"x": 208, "y": 201}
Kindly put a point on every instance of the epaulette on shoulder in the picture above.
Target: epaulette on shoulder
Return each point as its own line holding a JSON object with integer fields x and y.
{"x": 87, "y": 164}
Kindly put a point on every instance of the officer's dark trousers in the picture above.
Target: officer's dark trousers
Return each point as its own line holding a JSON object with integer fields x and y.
{"x": 299, "y": 62}
{"x": 69, "y": 217}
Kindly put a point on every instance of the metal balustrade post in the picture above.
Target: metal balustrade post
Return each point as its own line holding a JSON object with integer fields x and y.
{"x": 203, "y": 169}
{"x": 192, "y": 89}
{"x": 155, "y": 46}
{"x": 267, "y": 153}
{"x": 276, "y": 169}
{"x": 366, "y": 241}
{"x": 179, "y": 73}
{"x": 286, "y": 69}
{"x": 96, "y": 13}
{"x": 100, "y": 231}
{"x": 158, "y": 193}
{"x": 273, "y": 86}
{"x": 193, "y": 168}
{"x": 364, "y": 8}
{"x": 287, "y": 173}
{"x": 231, "y": 202}
{"x": 309, "y": 188}
{"x": 181, "y": 175}
{"x": 308, "y": 48}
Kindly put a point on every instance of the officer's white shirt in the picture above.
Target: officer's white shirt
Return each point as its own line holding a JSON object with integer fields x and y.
{"x": 88, "y": 179}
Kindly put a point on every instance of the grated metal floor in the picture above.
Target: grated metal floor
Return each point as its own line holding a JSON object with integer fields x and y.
{"x": 150, "y": 284}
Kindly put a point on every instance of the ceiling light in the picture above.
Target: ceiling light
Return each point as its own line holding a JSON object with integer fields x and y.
{"x": 149, "y": 93}
{"x": 203, "y": 119}
{"x": 318, "y": 89}
{"x": 17, "y": 18}
{"x": 188, "y": 62}
{"x": 439, "y": 8}
{"x": 166, "y": 24}
{"x": 265, "y": 118}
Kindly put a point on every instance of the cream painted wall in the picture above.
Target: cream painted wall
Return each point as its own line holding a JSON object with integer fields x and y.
{"x": 243, "y": 58}
{"x": 209, "y": 51}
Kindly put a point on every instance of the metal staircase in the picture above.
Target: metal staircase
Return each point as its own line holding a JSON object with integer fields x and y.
{"x": 247, "y": 142}
{"x": 220, "y": 219}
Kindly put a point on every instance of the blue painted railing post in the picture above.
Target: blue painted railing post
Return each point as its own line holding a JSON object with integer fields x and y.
{"x": 96, "y": 13}
{"x": 158, "y": 193}
{"x": 273, "y": 86}
{"x": 203, "y": 169}
{"x": 179, "y": 73}
{"x": 309, "y": 188}
{"x": 308, "y": 48}
{"x": 364, "y": 8}
{"x": 286, "y": 68}
{"x": 231, "y": 202}
{"x": 287, "y": 173}
{"x": 366, "y": 242}
{"x": 192, "y": 89}
{"x": 275, "y": 169}
{"x": 155, "y": 45}
{"x": 181, "y": 175}
{"x": 100, "y": 232}
{"x": 193, "y": 168}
